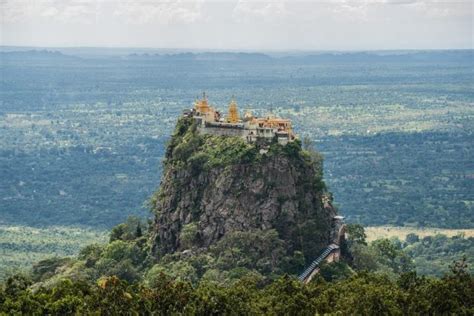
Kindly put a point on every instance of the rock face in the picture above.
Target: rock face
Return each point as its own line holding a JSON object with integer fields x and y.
{"x": 216, "y": 185}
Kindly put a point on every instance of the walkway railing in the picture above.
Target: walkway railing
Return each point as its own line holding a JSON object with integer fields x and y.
{"x": 315, "y": 264}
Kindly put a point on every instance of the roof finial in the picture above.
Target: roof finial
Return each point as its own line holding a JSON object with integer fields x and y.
{"x": 233, "y": 116}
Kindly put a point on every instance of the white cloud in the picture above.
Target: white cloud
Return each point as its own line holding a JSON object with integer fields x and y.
{"x": 161, "y": 12}
{"x": 402, "y": 2}
{"x": 442, "y": 8}
{"x": 89, "y": 11}
{"x": 62, "y": 10}
{"x": 363, "y": 9}
{"x": 190, "y": 11}
{"x": 315, "y": 24}
{"x": 264, "y": 11}
{"x": 50, "y": 12}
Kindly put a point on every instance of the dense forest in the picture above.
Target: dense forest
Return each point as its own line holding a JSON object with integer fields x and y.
{"x": 362, "y": 294}
{"x": 81, "y": 138}
{"x": 119, "y": 278}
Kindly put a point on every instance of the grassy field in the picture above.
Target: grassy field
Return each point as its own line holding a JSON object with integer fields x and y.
{"x": 378, "y": 232}
{"x": 22, "y": 246}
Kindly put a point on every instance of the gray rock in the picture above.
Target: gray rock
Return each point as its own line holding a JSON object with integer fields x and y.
{"x": 277, "y": 192}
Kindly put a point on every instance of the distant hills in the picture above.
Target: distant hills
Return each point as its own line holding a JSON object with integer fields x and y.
{"x": 34, "y": 55}
{"x": 230, "y": 57}
{"x": 416, "y": 56}
{"x": 8, "y": 53}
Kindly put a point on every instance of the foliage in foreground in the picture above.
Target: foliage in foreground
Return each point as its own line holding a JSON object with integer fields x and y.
{"x": 242, "y": 254}
{"x": 362, "y": 294}
{"x": 119, "y": 278}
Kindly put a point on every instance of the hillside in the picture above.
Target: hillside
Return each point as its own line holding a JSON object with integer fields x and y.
{"x": 224, "y": 209}
{"x": 217, "y": 187}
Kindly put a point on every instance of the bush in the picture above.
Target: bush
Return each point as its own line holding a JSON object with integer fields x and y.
{"x": 187, "y": 236}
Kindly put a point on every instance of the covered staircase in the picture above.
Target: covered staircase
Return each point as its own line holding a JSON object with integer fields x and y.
{"x": 329, "y": 254}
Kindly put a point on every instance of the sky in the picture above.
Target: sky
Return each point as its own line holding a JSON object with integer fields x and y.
{"x": 239, "y": 25}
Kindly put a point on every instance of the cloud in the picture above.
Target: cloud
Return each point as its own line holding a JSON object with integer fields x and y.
{"x": 266, "y": 11}
{"x": 239, "y": 23}
{"x": 443, "y": 9}
{"x": 363, "y": 9}
{"x": 62, "y": 10}
{"x": 400, "y": 1}
{"x": 50, "y": 12}
{"x": 90, "y": 11}
{"x": 190, "y": 11}
{"x": 161, "y": 12}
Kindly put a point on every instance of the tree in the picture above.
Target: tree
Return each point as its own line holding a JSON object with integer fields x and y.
{"x": 286, "y": 296}
{"x": 335, "y": 271}
{"x": 356, "y": 234}
{"x": 386, "y": 248}
{"x": 130, "y": 230}
{"x": 412, "y": 238}
{"x": 113, "y": 297}
{"x": 307, "y": 143}
{"x": 138, "y": 231}
{"x": 47, "y": 268}
{"x": 16, "y": 284}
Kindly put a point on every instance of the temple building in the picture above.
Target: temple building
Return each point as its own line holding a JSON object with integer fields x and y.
{"x": 249, "y": 127}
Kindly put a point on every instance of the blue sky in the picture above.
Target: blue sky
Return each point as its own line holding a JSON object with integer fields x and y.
{"x": 239, "y": 25}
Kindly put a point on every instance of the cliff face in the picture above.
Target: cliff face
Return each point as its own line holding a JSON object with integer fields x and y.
{"x": 213, "y": 186}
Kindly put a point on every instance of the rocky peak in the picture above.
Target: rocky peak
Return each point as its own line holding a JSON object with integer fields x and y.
{"x": 213, "y": 186}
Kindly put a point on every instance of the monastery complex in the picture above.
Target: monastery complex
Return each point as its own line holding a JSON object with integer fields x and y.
{"x": 210, "y": 121}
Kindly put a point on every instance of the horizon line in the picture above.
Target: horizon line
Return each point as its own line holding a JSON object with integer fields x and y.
{"x": 236, "y": 49}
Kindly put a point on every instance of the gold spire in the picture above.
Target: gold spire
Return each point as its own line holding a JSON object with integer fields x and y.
{"x": 233, "y": 116}
{"x": 201, "y": 105}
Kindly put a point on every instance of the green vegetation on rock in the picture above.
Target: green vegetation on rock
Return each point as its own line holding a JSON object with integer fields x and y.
{"x": 221, "y": 189}
{"x": 188, "y": 147}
